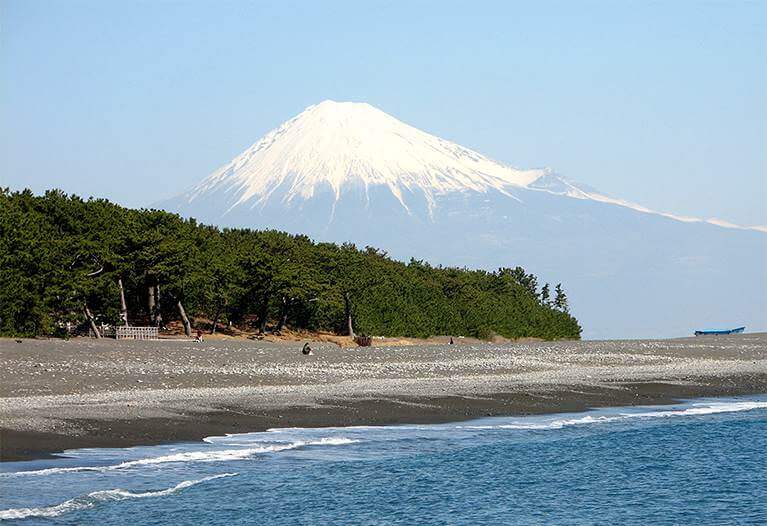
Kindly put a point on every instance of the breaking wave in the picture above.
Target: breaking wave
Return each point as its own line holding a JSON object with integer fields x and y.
{"x": 695, "y": 410}
{"x": 222, "y": 455}
{"x": 94, "y": 498}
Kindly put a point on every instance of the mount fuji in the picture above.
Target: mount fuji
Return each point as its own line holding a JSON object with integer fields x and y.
{"x": 343, "y": 171}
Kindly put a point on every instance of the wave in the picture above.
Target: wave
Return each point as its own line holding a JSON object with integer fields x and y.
{"x": 226, "y": 440}
{"x": 92, "y": 499}
{"x": 222, "y": 455}
{"x": 236, "y": 446}
{"x": 695, "y": 410}
{"x": 333, "y": 441}
{"x": 400, "y": 427}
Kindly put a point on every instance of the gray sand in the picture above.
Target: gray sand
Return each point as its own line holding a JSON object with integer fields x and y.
{"x": 57, "y": 394}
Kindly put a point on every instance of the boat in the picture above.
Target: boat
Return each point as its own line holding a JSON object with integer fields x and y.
{"x": 739, "y": 330}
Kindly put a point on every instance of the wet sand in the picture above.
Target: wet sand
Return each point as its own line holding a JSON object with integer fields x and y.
{"x": 57, "y": 395}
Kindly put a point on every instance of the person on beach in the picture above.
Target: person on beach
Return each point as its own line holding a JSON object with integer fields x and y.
{"x": 199, "y": 336}
{"x": 451, "y": 341}
{"x": 307, "y": 350}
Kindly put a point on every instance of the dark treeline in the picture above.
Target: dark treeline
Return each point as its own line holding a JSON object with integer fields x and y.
{"x": 68, "y": 261}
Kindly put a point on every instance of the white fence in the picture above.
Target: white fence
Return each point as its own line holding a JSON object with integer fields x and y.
{"x": 136, "y": 333}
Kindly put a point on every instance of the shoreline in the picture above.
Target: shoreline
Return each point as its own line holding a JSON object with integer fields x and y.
{"x": 56, "y": 396}
{"x": 33, "y": 445}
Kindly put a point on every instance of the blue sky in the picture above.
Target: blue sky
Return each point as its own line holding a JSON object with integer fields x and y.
{"x": 663, "y": 103}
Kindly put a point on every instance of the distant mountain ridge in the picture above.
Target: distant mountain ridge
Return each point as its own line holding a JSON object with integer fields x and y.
{"x": 350, "y": 172}
{"x": 340, "y": 145}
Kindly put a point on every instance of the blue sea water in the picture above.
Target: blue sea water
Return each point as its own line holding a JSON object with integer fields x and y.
{"x": 702, "y": 462}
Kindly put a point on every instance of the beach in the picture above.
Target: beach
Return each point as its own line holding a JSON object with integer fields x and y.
{"x": 64, "y": 394}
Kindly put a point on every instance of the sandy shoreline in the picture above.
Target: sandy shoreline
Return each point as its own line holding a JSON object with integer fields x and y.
{"x": 57, "y": 395}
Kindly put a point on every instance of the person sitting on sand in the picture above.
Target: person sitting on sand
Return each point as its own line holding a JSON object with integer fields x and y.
{"x": 307, "y": 350}
{"x": 199, "y": 336}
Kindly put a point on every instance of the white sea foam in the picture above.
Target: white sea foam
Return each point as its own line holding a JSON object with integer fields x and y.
{"x": 92, "y": 499}
{"x": 220, "y": 455}
{"x": 333, "y": 441}
{"x": 694, "y": 410}
{"x": 398, "y": 427}
{"x": 712, "y": 408}
{"x": 239, "y": 447}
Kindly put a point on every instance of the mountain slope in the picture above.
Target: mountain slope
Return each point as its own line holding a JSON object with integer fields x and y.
{"x": 337, "y": 145}
{"x": 349, "y": 172}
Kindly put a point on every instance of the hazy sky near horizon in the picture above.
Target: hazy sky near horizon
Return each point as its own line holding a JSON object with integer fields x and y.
{"x": 662, "y": 103}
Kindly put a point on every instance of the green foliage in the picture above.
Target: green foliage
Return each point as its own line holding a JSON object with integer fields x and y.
{"x": 546, "y": 294}
{"x": 59, "y": 253}
{"x": 560, "y": 299}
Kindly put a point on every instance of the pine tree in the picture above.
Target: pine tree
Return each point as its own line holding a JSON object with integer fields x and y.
{"x": 560, "y": 298}
{"x": 546, "y": 295}
{"x": 66, "y": 262}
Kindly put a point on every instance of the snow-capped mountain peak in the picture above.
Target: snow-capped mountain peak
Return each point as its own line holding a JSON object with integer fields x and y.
{"x": 340, "y": 144}
{"x": 334, "y": 147}
{"x": 348, "y": 172}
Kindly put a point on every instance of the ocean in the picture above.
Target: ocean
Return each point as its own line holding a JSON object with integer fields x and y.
{"x": 702, "y": 462}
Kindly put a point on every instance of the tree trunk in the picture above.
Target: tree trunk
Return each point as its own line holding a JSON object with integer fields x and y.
{"x": 184, "y": 320}
{"x": 215, "y": 318}
{"x": 283, "y": 314}
{"x": 263, "y": 314}
{"x": 348, "y": 312}
{"x": 91, "y": 321}
{"x": 158, "y": 309}
{"x": 123, "y": 305}
{"x": 150, "y": 305}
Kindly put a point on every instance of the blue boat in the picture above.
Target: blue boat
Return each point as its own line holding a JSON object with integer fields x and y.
{"x": 739, "y": 330}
